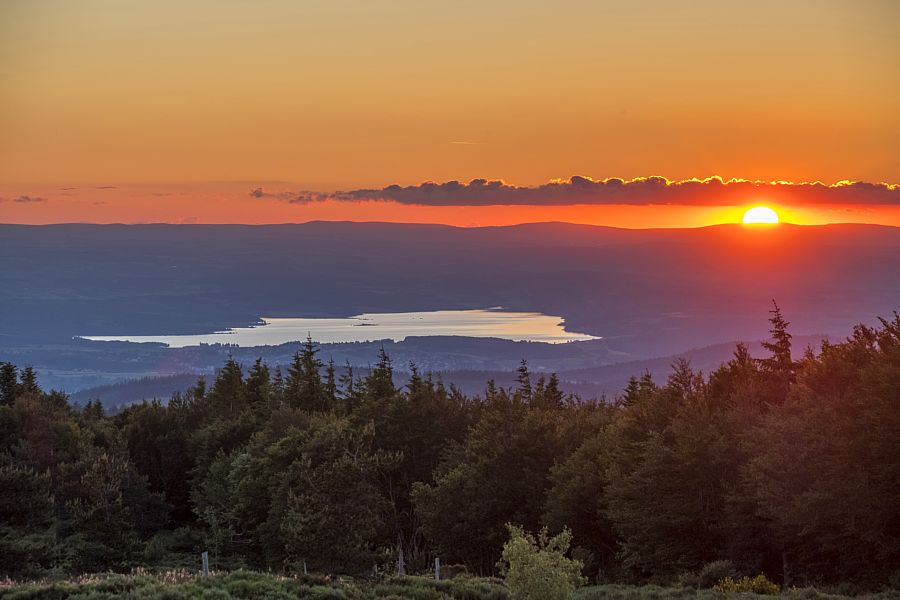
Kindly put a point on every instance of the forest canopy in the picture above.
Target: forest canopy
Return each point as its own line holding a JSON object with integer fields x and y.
{"x": 787, "y": 465}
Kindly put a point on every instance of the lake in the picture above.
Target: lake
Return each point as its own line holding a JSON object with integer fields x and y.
{"x": 484, "y": 323}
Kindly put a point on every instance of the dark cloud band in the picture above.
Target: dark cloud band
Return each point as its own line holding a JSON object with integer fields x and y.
{"x": 713, "y": 191}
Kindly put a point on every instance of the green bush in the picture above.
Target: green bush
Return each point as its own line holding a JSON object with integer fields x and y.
{"x": 755, "y": 585}
{"x": 536, "y": 567}
{"x": 714, "y": 572}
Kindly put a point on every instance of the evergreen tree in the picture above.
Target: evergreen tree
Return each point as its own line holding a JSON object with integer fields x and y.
{"x": 523, "y": 382}
{"x": 304, "y": 388}
{"x": 28, "y": 382}
{"x": 9, "y": 376}
{"x": 278, "y": 387}
{"x": 380, "y": 381}
{"x": 227, "y": 394}
{"x": 547, "y": 393}
{"x": 330, "y": 385}
{"x": 490, "y": 392}
{"x": 637, "y": 389}
{"x": 348, "y": 389}
{"x": 779, "y": 347}
{"x": 258, "y": 388}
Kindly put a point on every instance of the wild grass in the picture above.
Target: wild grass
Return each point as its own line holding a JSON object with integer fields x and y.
{"x": 655, "y": 592}
{"x": 250, "y": 585}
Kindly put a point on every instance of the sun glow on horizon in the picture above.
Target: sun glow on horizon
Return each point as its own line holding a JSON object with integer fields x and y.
{"x": 760, "y": 215}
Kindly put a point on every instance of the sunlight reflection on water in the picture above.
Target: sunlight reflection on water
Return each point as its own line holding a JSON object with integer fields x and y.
{"x": 518, "y": 326}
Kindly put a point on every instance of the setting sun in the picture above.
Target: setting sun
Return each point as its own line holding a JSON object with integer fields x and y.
{"x": 760, "y": 215}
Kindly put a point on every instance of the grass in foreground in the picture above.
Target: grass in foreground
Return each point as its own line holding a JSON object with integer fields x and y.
{"x": 654, "y": 592}
{"x": 250, "y": 585}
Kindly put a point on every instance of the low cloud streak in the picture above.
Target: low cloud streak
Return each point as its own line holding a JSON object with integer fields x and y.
{"x": 713, "y": 191}
{"x": 24, "y": 199}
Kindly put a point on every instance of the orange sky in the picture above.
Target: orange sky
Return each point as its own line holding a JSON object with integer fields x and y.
{"x": 230, "y": 203}
{"x": 163, "y": 97}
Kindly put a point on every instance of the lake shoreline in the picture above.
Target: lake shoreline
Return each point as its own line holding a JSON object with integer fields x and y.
{"x": 368, "y": 327}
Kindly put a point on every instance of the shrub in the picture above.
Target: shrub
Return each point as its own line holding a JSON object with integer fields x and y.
{"x": 716, "y": 571}
{"x": 754, "y": 585}
{"x": 536, "y": 567}
{"x": 688, "y": 579}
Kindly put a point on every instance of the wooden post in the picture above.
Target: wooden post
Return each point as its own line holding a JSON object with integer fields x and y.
{"x": 786, "y": 570}
{"x": 401, "y": 564}
{"x": 205, "y": 560}
{"x": 437, "y": 568}
{"x": 304, "y": 567}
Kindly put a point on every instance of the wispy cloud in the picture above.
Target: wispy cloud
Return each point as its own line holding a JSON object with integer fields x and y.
{"x": 712, "y": 191}
{"x": 23, "y": 199}
{"x": 301, "y": 197}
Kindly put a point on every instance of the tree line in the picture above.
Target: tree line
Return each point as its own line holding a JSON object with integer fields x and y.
{"x": 783, "y": 466}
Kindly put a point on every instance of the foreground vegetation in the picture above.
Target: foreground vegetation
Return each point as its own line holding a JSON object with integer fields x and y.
{"x": 775, "y": 466}
{"x": 248, "y": 585}
{"x": 176, "y": 585}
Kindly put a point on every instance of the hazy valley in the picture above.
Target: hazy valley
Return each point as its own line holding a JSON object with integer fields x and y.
{"x": 649, "y": 294}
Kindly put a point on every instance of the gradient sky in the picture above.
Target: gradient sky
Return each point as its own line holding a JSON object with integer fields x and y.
{"x": 185, "y": 107}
